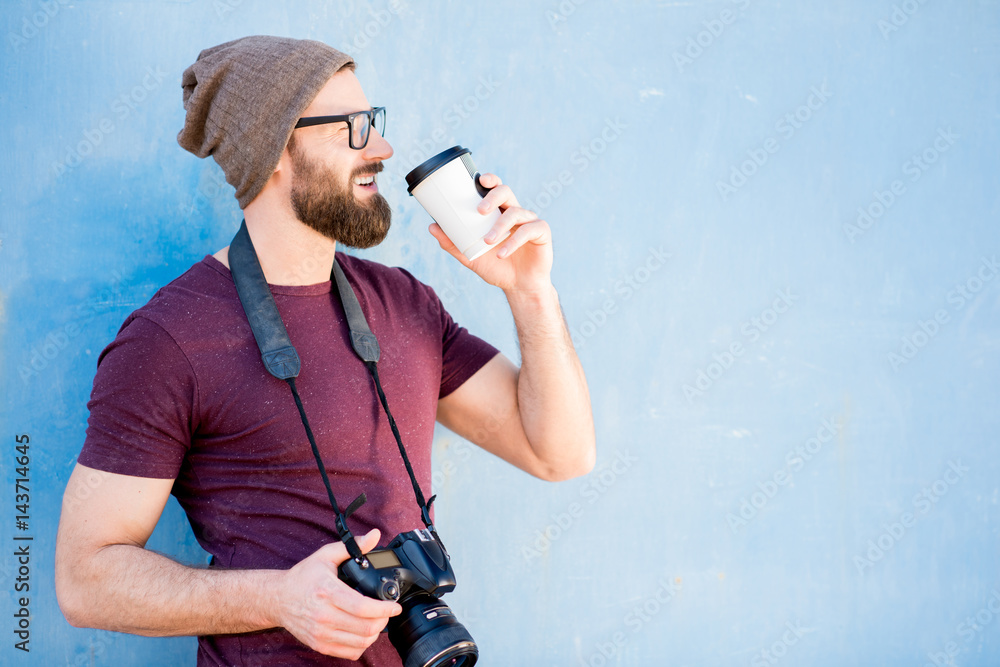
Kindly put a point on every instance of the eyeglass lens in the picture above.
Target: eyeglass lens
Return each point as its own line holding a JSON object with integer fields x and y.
{"x": 363, "y": 121}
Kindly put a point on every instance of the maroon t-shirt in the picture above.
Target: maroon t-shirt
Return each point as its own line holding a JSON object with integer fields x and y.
{"x": 182, "y": 394}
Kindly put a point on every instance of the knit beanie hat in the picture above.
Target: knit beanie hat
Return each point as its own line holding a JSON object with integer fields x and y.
{"x": 243, "y": 99}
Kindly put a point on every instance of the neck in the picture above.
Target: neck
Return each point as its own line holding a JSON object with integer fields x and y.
{"x": 290, "y": 253}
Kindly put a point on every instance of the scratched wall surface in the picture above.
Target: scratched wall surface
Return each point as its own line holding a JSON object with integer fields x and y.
{"x": 776, "y": 247}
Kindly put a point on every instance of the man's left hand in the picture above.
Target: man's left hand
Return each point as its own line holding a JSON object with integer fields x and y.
{"x": 523, "y": 261}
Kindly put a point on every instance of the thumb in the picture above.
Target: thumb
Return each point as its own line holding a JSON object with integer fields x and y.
{"x": 446, "y": 243}
{"x": 370, "y": 540}
{"x": 336, "y": 552}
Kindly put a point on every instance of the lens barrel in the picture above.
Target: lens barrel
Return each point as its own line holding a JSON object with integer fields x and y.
{"x": 427, "y": 634}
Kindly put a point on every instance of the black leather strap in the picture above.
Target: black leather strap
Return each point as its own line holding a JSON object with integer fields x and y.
{"x": 276, "y": 350}
{"x": 362, "y": 339}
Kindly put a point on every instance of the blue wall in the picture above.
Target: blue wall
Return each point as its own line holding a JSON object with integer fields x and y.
{"x": 775, "y": 233}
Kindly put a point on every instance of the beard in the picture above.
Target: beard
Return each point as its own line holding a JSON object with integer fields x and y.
{"x": 323, "y": 203}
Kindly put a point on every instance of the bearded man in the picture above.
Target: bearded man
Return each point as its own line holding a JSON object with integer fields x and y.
{"x": 182, "y": 403}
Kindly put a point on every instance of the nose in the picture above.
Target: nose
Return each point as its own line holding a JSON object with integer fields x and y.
{"x": 378, "y": 148}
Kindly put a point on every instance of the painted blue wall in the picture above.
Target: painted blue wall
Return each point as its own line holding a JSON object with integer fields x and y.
{"x": 775, "y": 233}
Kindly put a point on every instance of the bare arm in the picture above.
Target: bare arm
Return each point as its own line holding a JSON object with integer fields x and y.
{"x": 539, "y": 417}
{"x": 506, "y": 412}
{"x": 105, "y": 577}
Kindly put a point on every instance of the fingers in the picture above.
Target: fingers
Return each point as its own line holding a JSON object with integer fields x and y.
{"x": 362, "y": 606}
{"x": 519, "y": 225}
{"x": 345, "y": 645}
{"x": 331, "y": 638}
{"x": 327, "y": 614}
{"x": 510, "y": 219}
{"x": 499, "y": 197}
{"x": 529, "y": 229}
{"x": 490, "y": 180}
{"x": 328, "y": 586}
{"x": 325, "y": 625}
{"x": 355, "y": 626}
{"x": 537, "y": 232}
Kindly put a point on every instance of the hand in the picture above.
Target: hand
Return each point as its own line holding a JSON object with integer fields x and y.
{"x": 326, "y": 614}
{"x": 523, "y": 262}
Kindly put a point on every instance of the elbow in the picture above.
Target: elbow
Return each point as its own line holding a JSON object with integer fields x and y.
{"x": 74, "y": 603}
{"x": 75, "y": 620}
{"x": 69, "y": 603}
{"x": 564, "y": 474}
{"x": 578, "y": 466}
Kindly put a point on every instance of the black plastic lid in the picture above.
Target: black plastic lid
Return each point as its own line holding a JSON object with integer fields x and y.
{"x": 430, "y": 165}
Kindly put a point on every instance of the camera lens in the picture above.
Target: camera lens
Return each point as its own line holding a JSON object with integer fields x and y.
{"x": 427, "y": 634}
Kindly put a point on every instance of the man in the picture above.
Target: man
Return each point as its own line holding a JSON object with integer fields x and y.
{"x": 182, "y": 403}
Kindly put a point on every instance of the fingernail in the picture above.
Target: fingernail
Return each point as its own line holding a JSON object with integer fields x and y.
{"x": 502, "y": 253}
{"x": 491, "y": 237}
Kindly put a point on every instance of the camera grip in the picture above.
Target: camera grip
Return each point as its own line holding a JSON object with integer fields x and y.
{"x": 362, "y": 576}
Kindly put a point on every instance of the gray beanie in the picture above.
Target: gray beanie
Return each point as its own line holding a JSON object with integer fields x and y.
{"x": 243, "y": 99}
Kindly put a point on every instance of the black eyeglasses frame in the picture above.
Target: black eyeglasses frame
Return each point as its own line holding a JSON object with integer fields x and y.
{"x": 372, "y": 116}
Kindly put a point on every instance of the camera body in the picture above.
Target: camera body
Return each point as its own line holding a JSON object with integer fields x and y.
{"x": 413, "y": 562}
{"x": 413, "y": 570}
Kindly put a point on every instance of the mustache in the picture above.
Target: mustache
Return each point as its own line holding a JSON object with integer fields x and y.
{"x": 368, "y": 170}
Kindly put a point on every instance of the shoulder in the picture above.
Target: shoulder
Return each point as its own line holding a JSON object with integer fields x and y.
{"x": 375, "y": 271}
{"x": 388, "y": 284}
{"x": 183, "y": 305}
{"x": 198, "y": 304}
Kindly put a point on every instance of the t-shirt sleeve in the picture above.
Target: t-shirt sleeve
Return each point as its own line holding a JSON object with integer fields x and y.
{"x": 142, "y": 406}
{"x": 462, "y": 354}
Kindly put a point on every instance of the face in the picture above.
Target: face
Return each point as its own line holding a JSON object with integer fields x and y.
{"x": 332, "y": 186}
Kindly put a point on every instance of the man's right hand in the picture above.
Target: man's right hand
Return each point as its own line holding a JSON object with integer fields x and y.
{"x": 106, "y": 578}
{"x": 326, "y": 614}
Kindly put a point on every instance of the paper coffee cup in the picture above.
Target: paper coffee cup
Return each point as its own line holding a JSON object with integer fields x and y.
{"x": 447, "y": 186}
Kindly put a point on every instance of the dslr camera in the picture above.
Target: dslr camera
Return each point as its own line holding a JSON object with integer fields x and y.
{"x": 412, "y": 570}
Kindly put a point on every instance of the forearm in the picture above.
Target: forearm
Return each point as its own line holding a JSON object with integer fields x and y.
{"x": 126, "y": 588}
{"x": 552, "y": 394}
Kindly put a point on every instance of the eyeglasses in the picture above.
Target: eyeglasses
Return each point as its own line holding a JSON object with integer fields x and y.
{"x": 358, "y": 123}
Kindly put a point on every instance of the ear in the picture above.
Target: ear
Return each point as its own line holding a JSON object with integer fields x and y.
{"x": 284, "y": 162}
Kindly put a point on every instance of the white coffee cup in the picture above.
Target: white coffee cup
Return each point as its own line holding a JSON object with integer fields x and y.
{"x": 447, "y": 186}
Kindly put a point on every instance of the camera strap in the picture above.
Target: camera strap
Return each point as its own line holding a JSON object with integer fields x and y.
{"x": 282, "y": 361}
